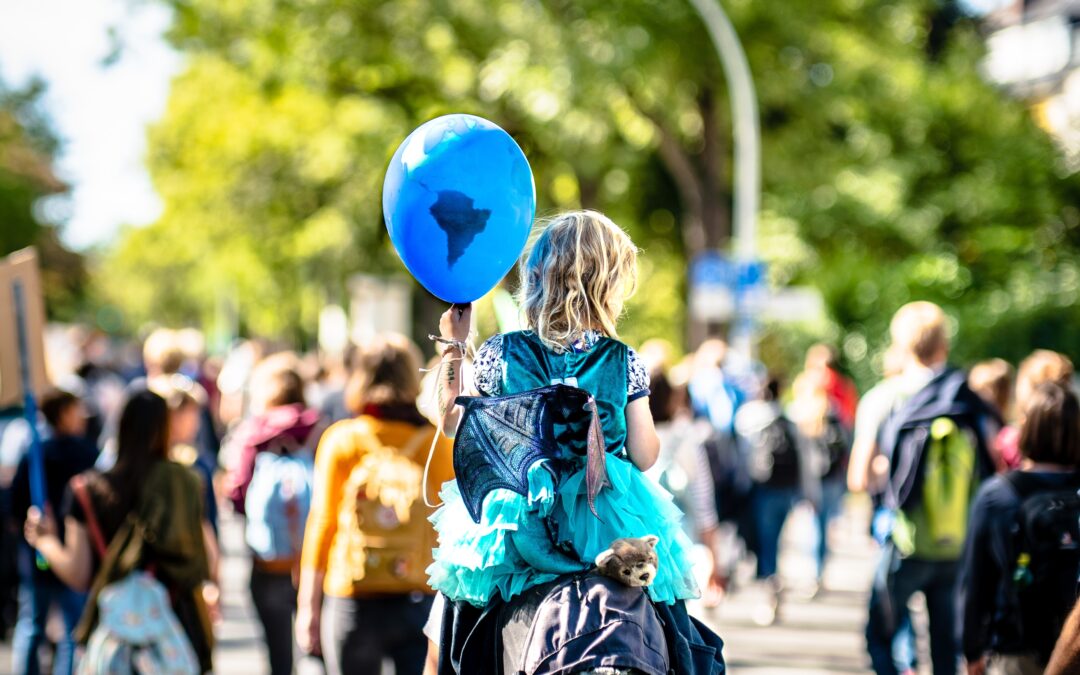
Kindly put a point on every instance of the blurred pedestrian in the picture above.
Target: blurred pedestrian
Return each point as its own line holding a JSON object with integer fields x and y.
{"x": 163, "y": 359}
{"x": 186, "y": 401}
{"x": 66, "y": 453}
{"x": 715, "y": 398}
{"x": 271, "y": 486}
{"x": 364, "y": 594}
{"x": 102, "y": 386}
{"x": 935, "y": 453}
{"x": 163, "y": 354}
{"x": 1041, "y": 366}
{"x": 1021, "y": 558}
{"x": 992, "y": 380}
{"x": 144, "y": 510}
{"x": 901, "y": 378}
{"x": 840, "y": 390}
{"x": 682, "y": 468}
{"x": 332, "y": 407}
{"x": 827, "y": 446}
{"x": 777, "y": 469}
{"x": 714, "y": 394}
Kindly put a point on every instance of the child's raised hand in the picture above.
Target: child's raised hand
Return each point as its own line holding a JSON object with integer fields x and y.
{"x": 456, "y": 322}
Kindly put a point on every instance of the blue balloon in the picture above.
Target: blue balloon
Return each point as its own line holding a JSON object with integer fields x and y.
{"x": 459, "y": 202}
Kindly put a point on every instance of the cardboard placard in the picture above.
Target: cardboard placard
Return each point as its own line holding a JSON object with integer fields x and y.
{"x": 21, "y": 269}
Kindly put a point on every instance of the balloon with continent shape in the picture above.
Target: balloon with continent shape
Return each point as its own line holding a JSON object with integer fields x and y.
{"x": 459, "y": 201}
{"x": 454, "y": 213}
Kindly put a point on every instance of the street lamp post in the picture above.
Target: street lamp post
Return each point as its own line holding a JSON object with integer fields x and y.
{"x": 747, "y": 142}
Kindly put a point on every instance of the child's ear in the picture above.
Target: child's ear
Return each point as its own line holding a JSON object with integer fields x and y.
{"x": 604, "y": 557}
{"x": 651, "y": 539}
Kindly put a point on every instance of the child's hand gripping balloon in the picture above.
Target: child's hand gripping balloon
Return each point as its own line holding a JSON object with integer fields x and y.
{"x": 456, "y": 322}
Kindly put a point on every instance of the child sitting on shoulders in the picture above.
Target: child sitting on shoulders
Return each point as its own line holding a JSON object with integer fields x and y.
{"x": 574, "y": 283}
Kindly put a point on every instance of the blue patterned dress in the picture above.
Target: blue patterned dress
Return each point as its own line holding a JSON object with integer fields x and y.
{"x": 509, "y": 550}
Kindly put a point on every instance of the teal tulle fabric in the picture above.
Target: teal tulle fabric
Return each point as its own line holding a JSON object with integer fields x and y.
{"x": 510, "y": 550}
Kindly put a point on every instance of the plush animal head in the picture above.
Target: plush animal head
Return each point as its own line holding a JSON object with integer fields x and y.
{"x": 631, "y": 560}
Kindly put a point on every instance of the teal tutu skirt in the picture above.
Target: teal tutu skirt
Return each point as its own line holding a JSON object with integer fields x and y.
{"x": 510, "y": 549}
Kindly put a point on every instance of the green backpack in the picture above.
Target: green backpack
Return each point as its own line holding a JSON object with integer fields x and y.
{"x": 935, "y": 528}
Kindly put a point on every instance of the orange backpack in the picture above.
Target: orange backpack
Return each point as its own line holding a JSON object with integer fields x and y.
{"x": 383, "y": 516}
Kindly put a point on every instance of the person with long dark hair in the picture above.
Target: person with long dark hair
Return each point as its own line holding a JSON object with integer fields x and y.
{"x": 1019, "y": 573}
{"x": 143, "y": 487}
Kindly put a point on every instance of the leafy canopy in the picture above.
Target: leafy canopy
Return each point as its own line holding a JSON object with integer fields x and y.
{"x": 892, "y": 171}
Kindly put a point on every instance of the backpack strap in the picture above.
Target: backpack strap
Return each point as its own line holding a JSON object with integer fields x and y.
{"x": 79, "y": 489}
{"x": 408, "y": 450}
{"x": 1020, "y": 484}
{"x": 416, "y": 442}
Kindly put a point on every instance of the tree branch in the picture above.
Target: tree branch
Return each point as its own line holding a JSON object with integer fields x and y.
{"x": 683, "y": 173}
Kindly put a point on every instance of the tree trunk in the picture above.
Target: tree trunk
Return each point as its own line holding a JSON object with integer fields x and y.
{"x": 716, "y": 214}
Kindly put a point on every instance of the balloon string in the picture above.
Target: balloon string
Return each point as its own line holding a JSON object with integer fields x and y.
{"x": 465, "y": 348}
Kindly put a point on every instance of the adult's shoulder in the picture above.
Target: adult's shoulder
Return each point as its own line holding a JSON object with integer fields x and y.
{"x": 875, "y": 406}
{"x": 94, "y": 488}
{"x": 882, "y": 393}
{"x": 343, "y": 432}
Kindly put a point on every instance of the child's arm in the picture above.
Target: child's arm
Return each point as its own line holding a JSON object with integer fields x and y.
{"x": 454, "y": 324}
{"x": 70, "y": 560}
{"x": 642, "y": 443}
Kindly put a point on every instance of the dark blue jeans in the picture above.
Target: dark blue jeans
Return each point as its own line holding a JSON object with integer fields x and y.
{"x": 274, "y": 598}
{"x": 832, "y": 498}
{"x": 357, "y": 633}
{"x": 36, "y": 597}
{"x": 889, "y": 636}
{"x": 771, "y": 508}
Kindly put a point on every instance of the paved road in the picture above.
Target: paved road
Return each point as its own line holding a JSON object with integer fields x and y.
{"x": 823, "y": 635}
{"x": 811, "y": 636}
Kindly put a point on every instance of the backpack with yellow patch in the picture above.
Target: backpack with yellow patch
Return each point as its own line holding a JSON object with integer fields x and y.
{"x": 384, "y": 517}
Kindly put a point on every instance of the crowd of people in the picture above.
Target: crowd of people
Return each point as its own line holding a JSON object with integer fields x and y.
{"x": 335, "y": 467}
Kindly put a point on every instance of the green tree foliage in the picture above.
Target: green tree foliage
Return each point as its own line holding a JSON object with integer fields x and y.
{"x": 27, "y": 150}
{"x": 892, "y": 171}
{"x": 905, "y": 176}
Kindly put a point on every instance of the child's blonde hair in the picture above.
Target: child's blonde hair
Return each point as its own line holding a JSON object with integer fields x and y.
{"x": 579, "y": 272}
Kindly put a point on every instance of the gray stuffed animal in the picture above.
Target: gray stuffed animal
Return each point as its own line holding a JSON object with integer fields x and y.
{"x": 630, "y": 560}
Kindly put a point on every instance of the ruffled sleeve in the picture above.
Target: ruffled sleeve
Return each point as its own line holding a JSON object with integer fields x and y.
{"x": 488, "y": 367}
{"x": 637, "y": 377}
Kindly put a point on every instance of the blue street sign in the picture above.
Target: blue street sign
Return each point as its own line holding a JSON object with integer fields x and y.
{"x": 722, "y": 288}
{"x": 712, "y": 269}
{"x": 751, "y": 276}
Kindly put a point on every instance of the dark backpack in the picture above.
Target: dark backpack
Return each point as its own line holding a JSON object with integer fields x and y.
{"x": 774, "y": 455}
{"x": 1046, "y": 544}
{"x": 937, "y": 457}
{"x": 905, "y": 436}
{"x": 832, "y": 449}
{"x": 581, "y": 623}
{"x": 731, "y": 481}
